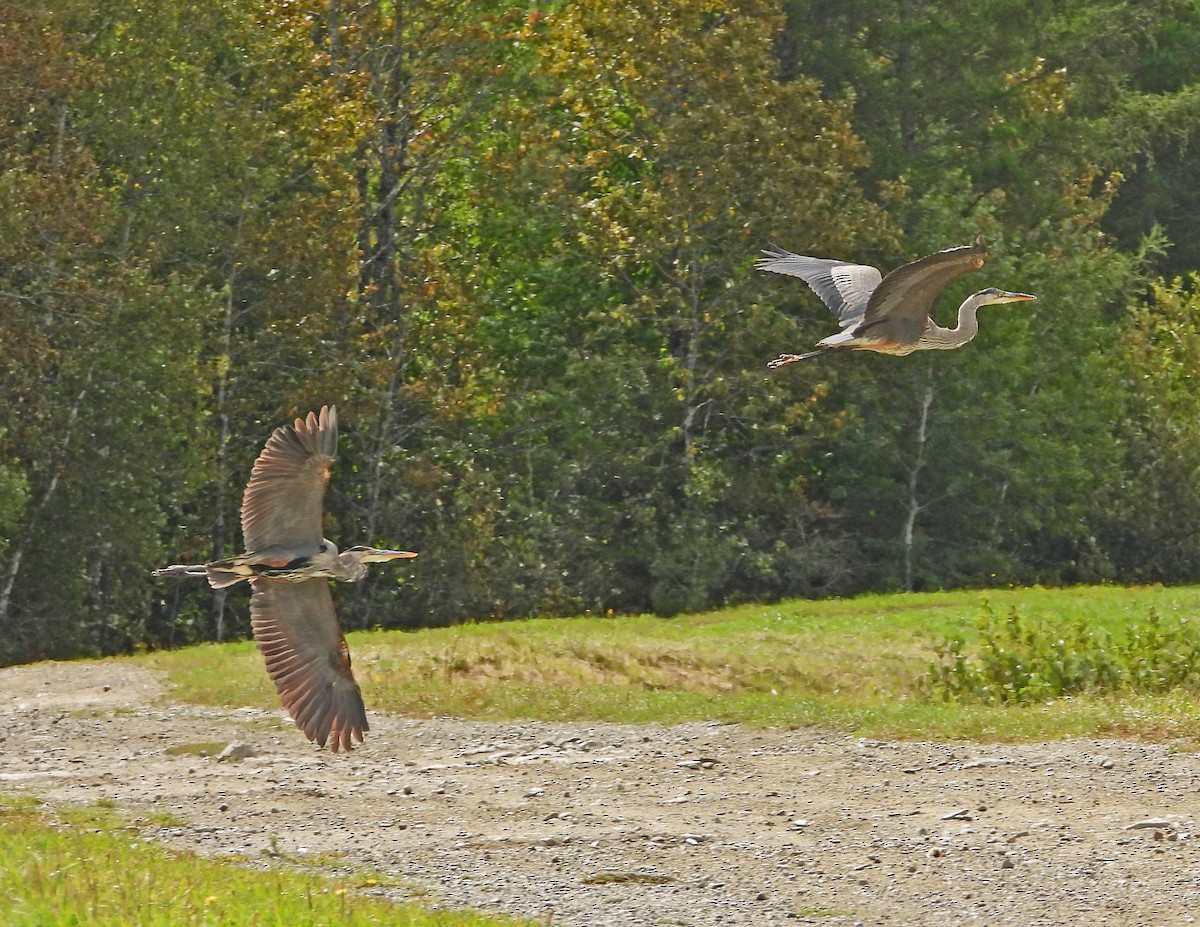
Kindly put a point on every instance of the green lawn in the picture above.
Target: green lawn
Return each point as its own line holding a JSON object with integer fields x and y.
{"x": 860, "y": 665}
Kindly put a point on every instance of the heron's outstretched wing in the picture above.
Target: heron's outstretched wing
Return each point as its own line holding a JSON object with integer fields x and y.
{"x": 282, "y": 503}
{"x": 845, "y": 288}
{"x": 301, "y": 641}
{"x": 907, "y": 293}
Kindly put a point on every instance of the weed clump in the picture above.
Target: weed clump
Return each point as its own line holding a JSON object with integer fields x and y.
{"x": 1019, "y": 659}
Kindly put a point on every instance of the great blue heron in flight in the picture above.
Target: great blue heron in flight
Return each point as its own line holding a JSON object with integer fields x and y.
{"x": 288, "y": 564}
{"x": 889, "y": 314}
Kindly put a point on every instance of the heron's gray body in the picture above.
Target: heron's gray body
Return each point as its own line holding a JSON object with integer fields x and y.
{"x": 289, "y": 565}
{"x": 889, "y": 315}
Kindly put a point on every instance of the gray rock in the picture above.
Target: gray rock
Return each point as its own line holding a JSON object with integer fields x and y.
{"x": 236, "y": 752}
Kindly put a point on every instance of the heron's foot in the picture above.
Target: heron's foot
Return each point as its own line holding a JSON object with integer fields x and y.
{"x": 784, "y": 359}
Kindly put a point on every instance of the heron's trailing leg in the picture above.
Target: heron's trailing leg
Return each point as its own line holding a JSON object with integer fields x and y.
{"x": 784, "y": 359}
{"x": 182, "y": 569}
{"x": 217, "y": 578}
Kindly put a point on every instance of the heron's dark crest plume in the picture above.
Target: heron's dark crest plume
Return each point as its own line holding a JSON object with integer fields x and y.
{"x": 288, "y": 565}
{"x": 889, "y": 315}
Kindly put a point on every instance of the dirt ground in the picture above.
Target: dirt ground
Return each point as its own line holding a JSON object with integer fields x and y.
{"x": 594, "y": 824}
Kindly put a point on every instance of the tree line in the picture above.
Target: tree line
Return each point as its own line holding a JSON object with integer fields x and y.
{"x": 515, "y": 245}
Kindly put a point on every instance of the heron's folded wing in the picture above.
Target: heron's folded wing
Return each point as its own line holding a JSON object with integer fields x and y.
{"x": 845, "y": 288}
{"x": 907, "y": 293}
{"x": 281, "y": 506}
{"x": 301, "y": 641}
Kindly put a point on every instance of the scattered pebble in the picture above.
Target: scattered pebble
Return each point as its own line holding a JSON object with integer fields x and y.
{"x": 985, "y": 761}
{"x": 1149, "y": 823}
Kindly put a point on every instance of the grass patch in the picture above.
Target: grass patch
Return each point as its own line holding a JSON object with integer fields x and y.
{"x": 107, "y": 712}
{"x": 862, "y": 665}
{"x": 90, "y": 866}
{"x": 15, "y": 804}
{"x": 635, "y": 878}
{"x": 162, "y": 819}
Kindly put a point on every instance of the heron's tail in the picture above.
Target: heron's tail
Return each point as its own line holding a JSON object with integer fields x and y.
{"x": 219, "y": 579}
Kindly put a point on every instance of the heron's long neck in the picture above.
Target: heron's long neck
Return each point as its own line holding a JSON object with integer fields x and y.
{"x": 967, "y": 328}
{"x": 353, "y": 570}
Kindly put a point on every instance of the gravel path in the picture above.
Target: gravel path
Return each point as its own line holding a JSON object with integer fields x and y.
{"x": 599, "y": 824}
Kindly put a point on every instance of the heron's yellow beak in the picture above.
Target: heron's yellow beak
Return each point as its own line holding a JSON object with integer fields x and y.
{"x": 1015, "y": 297}
{"x": 383, "y": 556}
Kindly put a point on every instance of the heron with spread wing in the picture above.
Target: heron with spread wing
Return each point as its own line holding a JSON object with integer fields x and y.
{"x": 288, "y": 565}
{"x": 889, "y": 315}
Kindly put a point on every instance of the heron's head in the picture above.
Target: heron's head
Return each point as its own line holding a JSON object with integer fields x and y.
{"x": 376, "y": 555}
{"x": 992, "y": 295}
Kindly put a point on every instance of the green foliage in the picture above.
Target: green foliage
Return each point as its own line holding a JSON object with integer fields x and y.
{"x": 516, "y": 245}
{"x": 664, "y": 173}
{"x": 1021, "y": 659}
{"x": 1151, "y": 523}
{"x": 14, "y": 497}
{"x": 1004, "y": 475}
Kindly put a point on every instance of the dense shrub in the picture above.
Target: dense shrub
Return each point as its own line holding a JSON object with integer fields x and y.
{"x": 1023, "y": 659}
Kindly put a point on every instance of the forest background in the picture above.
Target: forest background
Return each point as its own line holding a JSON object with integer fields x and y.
{"x": 516, "y": 245}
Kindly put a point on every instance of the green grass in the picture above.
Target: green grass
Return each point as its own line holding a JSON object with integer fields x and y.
{"x": 859, "y": 665}
{"x": 89, "y": 866}
{"x": 637, "y": 878}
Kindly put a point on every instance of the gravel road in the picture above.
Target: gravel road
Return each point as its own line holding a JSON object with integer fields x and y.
{"x": 611, "y": 825}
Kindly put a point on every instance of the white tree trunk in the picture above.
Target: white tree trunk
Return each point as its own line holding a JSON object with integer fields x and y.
{"x": 914, "y": 506}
